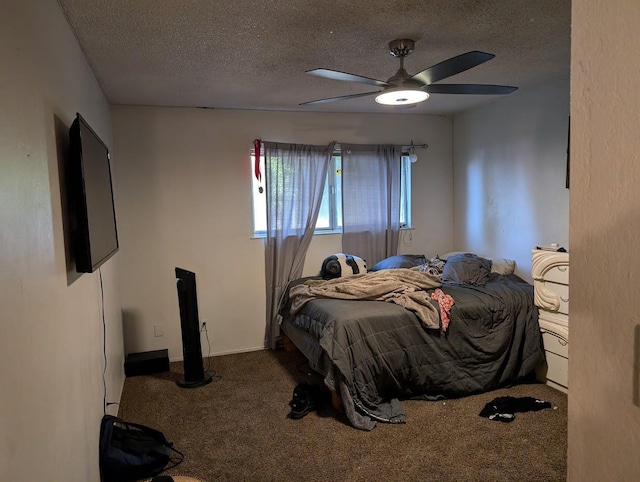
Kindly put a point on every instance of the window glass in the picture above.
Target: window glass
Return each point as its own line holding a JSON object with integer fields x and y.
{"x": 405, "y": 193}
{"x": 330, "y": 216}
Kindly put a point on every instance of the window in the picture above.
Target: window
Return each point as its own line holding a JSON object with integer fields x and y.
{"x": 330, "y": 216}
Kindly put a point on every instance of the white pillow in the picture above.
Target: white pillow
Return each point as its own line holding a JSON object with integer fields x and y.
{"x": 503, "y": 266}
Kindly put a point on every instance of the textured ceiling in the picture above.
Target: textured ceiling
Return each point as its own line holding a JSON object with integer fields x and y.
{"x": 253, "y": 54}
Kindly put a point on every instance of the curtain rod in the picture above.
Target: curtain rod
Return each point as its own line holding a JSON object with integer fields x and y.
{"x": 411, "y": 145}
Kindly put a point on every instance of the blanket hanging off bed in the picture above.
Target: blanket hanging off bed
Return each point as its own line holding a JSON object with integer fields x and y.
{"x": 404, "y": 287}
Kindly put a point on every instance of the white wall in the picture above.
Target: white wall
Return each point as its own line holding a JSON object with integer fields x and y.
{"x": 51, "y": 396}
{"x": 184, "y": 198}
{"x": 604, "y": 350}
{"x": 509, "y": 175}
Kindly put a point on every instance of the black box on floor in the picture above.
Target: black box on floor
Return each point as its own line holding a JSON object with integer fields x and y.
{"x": 146, "y": 362}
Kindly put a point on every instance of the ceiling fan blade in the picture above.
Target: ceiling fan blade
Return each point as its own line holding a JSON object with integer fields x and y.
{"x": 473, "y": 89}
{"x": 337, "y": 75}
{"x": 453, "y": 66}
{"x": 342, "y": 97}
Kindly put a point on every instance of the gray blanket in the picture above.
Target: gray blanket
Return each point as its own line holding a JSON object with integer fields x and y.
{"x": 381, "y": 353}
{"x": 404, "y": 287}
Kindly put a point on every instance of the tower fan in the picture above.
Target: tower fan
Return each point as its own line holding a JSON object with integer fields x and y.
{"x": 194, "y": 373}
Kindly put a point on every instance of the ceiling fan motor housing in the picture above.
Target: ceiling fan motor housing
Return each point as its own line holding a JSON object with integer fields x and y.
{"x": 401, "y": 47}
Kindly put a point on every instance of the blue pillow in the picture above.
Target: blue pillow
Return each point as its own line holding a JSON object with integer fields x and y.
{"x": 399, "y": 261}
{"x": 467, "y": 269}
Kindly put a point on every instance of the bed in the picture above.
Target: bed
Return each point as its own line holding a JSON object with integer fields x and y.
{"x": 373, "y": 353}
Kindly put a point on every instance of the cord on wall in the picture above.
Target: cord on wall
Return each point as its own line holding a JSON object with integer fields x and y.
{"x": 203, "y": 327}
{"x": 104, "y": 345}
{"x": 105, "y": 404}
{"x": 407, "y": 238}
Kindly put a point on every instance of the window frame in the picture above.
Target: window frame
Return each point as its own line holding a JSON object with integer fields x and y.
{"x": 335, "y": 201}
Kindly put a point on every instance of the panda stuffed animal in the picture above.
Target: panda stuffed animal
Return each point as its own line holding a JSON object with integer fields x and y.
{"x": 340, "y": 264}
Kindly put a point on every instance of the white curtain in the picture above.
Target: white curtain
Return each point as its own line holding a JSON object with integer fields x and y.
{"x": 371, "y": 201}
{"x": 295, "y": 177}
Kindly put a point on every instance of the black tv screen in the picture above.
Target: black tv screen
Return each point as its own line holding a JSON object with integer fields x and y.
{"x": 94, "y": 232}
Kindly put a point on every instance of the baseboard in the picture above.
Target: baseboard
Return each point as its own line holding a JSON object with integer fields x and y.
{"x": 557, "y": 386}
{"x": 221, "y": 353}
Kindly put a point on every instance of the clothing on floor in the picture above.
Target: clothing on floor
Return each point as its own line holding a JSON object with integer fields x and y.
{"x": 503, "y": 409}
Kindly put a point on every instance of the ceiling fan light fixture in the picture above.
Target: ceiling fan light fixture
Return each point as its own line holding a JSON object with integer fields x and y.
{"x": 402, "y": 96}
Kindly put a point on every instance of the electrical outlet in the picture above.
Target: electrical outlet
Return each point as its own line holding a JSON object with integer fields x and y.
{"x": 203, "y": 325}
{"x": 158, "y": 330}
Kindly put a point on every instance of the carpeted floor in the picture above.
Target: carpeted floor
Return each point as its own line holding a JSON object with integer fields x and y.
{"x": 236, "y": 428}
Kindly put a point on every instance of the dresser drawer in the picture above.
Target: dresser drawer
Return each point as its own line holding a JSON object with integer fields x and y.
{"x": 552, "y": 297}
{"x": 557, "y": 369}
{"x": 562, "y": 292}
{"x": 558, "y": 274}
{"x": 554, "y": 321}
{"x": 550, "y": 266}
{"x": 555, "y": 344}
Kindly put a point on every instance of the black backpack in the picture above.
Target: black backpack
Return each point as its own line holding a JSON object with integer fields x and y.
{"x": 130, "y": 451}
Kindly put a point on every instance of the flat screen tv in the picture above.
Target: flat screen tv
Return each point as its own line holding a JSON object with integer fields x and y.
{"x": 93, "y": 217}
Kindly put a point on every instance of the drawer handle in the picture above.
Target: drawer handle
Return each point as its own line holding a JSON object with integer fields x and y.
{"x": 563, "y": 300}
{"x": 561, "y": 339}
{"x": 562, "y": 268}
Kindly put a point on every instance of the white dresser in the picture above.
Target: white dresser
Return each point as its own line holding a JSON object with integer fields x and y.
{"x": 550, "y": 272}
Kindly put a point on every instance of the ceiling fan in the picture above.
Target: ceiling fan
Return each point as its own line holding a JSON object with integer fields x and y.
{"x": 405, "y": 89}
